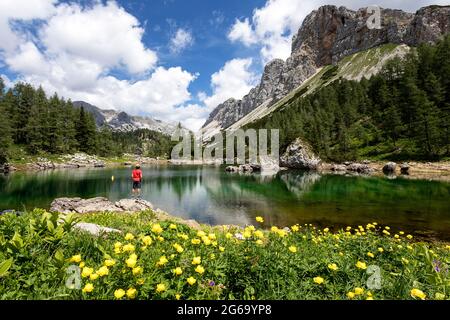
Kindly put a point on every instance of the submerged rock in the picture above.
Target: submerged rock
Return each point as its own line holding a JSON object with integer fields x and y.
{"x": 99, "y": 204}
{"x": 299, "y": 155}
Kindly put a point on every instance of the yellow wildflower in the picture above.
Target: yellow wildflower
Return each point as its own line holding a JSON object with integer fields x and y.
{"x": 369, "y": 298}
{"x": 259, "y": 241}
{"x": 386, "y": 232}
{"x": 191, "y": 280}
{"x": 131, "y": 293}
{"x": 409, "y": 236}
{"x": 293, "y": 249}
{"x": 177, "y": 271}
{"x": 359, "y": 291}
{"x": 201, "y": 233}
{"x": 147, "y": 240}
{"x": 387, "y": 228}
{"x": 247, "y": 234}
{"x": 439, "y": 296}
{"x": 93, "y": 276}
{"x": 259, "y": 234}
{"x": 156, "y": 228}
{"x": 409, "y": 247}
{"x": 228, "y": 235}
{"x": 129, "y": 236}
{"x": 332, "y": 266}
{"x": 295, "y": 228}
{"x": 177, "y": 296}
{"x": 172, "y": 226}
{"x": 417, "y": 293}
{"x": 109, "y": 262}
{"x": 370, "y": 254}
{"x": 196, "y": 241}
{"x": 318, "y": 280}
{"x": 161, "y": 239}
{"x": 76, "y": 258}
{"x": 162, "y": 261}
{"x": 326, "y": 230}
{"x": 103, "y": 271}
{"x": 131, "y": 261}
{"x": 260, "y": 219}
{"x": 380, "y": 249}
{"x": 128, "y": 248}
{"x": 197, "y": 260}
{"x": 350, "y": 295}
{"x": 206, "y": 240}
{"x": 119, "y": 293}
{"x": 361, "y": 265}
{"x": 274, "y": 229}
{"x": 82, "y": 264}
{"x": 88, "y": 288}
{"x": 200, "y": 269}
{"x": 161, "y": 287}
{"x": 137, "y": 270}
{"x": 178, "y": 248}
{"x": 212, "y": 236}
{"x": 221, "y": 249}
{"x": 87, "y": 272}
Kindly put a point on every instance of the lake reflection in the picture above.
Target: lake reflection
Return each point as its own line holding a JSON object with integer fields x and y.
{"x": 210, "y": 195}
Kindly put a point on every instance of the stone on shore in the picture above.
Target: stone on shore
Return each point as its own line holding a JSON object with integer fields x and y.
{"x": 404, "y": 168}
{"x": 359, "y": 168}
{"x": 299, "y": 155}
{"x": 94, "y": 229}
{"x": 98, "y": 204}
{"x": 389, "y": 168}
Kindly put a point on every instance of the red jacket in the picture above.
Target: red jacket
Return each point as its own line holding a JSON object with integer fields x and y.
{"x": 137, "y": 175}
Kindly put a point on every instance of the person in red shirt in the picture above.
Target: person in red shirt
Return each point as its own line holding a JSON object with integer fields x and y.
{"x": 136, "y": 175}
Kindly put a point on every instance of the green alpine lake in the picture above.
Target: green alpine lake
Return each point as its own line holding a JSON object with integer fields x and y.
{"x": 210, "y": 195}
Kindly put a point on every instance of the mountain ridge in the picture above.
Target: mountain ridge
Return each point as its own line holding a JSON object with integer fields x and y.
{"x": 326, "y": 36}
{"x": 123, "y": 122}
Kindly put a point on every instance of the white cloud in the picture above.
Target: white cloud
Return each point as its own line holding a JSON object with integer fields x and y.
{"x": 242, "y": 31}
{"x": 234, "y": 80}
{"x": 75, "y": 48}
{"x": 104, "y": 34}
{"x": 181, "y": 40}
{"x": 272, "y": 26}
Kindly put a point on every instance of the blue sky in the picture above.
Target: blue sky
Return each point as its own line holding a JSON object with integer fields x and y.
{"x": 175, "y": 60}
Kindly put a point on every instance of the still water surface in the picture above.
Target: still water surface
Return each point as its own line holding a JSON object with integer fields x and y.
{"x": 208, "y": 194}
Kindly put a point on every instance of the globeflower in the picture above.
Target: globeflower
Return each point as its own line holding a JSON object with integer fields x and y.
{"x": 380, "y": 249}
{"x": 201, "y": 233}
{"x": 228, "y": 235}
{"x": 156, "y": 228}
{"x": 361, "y": 265}
{"x": 359, "y": 291}
{"x": 177, "y": 271}
{"x": 178, "y": 248}
{"x": 332, "y": 266}
{"x": 131, "y": 293}
{"x": 318, "y": 280}
{"x": 260, "y": 219}
{"x": 386, "y": 232}
{"x": 247, "y": 234}
{"x": 200, "y": 269}
{"x": 206, "y": 240}
{"x": 221, "y": 249}
{"x": 274, "y": 229}
{"x": 129, "y": 236}
{"x": 212, "y": 236}
{"x": 295, "y": 228}
{"x": 109, "y": 262}
{"x": 259, "y": 234}
{"x": 87, "y": 272}
{"x": 76, "y": 258}
{"x": 350, "y": 295}
{"x": 137, "y": 270}
{"x": 293, "y": 249}
{"x": 131, "y": 261}
{"x": 197, "y": 260}
{"x": 147, "y": 240}
{"x": 326, "y": 230}
{"x": 88, "y": 288}
{"x": 103, "y": 271}
{"x": 409, "y": 236}
{"x": 160, "y": 287}
{"x": 191, "y": 280}
{"x": 128, "y": 248}
{"x": 259, "y": 242}
{"x": 119, "y": 293}
{"x": 162, "y": 261}
{"x": 93, "y": 276}
{"x": 172, "y": 226}
{"x": 196, "y": 241}
{"x": 370, "y": 254}
{"x": 417, "y": 293}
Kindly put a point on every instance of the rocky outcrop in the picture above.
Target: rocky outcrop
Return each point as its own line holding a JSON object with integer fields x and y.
{"x": 6, "y": 168}
{"x": 299, "y": 155}
{"x": 389, "y": 168}
{"x": 99, "y": 204}
{"x": 359, "y": 168}
{"x": 326, "y": 36}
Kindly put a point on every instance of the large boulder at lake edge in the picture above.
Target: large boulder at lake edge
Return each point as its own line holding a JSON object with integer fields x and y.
{"x": 299, "y": 155}
{"x": 99, "y": 204}
{"x": 389, "y": 168}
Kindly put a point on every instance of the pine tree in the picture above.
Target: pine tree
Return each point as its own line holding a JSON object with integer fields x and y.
{"x": 5, "y": 130}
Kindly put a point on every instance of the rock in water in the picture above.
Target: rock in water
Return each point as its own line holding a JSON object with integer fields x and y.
{"x": 299, "y": 155}
{"x": 389, "y": 168}
{"x": 99, "y": 204}
{"x": 269, "y": 164}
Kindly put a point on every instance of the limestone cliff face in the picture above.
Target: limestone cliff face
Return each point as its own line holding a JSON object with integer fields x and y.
{"x": 326, "y": 36}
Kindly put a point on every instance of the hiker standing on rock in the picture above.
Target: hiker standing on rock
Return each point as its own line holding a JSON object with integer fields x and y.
{"x": 136, "y": 175}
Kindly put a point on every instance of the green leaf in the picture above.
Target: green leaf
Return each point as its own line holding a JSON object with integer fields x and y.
{"x": 4, "y": 266}
{"x": 59, "y": 255}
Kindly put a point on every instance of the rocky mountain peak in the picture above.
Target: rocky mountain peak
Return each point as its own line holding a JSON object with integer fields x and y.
{"x": 327, "y": 35}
